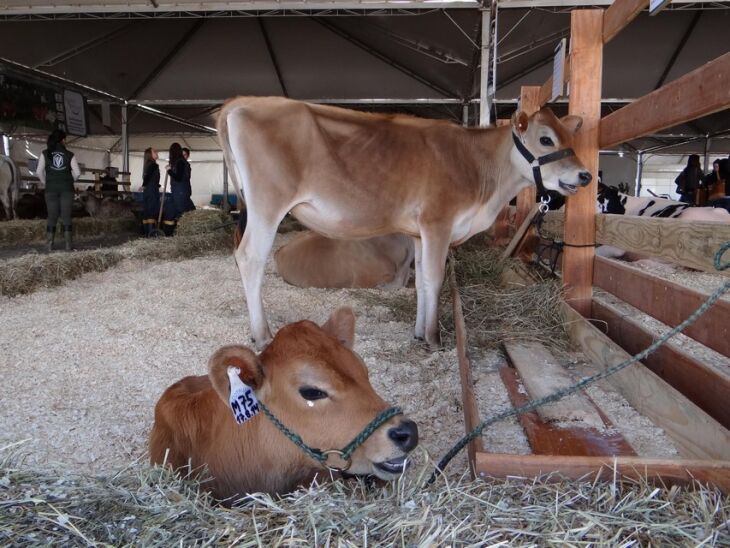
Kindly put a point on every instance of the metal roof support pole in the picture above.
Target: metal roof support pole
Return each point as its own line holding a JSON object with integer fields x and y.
{"x": 707, "y": 153}
{"x": 465, "y": 114}
{"x": 125, "y": 139}
{"x": 639, "y": 173}
{"x": 485, "y": 103}
{"x": 226, "y": 207}
{"x": 6, "y": 144}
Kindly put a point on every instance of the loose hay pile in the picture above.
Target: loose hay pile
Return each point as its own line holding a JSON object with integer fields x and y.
{"x": 23, "y": 231}
{"x": 201, "y": 221}
{"x": 144, "y": 506}
{"x": 28, "y": 273}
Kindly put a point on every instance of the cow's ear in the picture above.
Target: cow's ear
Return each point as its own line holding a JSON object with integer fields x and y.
{"x": 520, "y": 121}
{"x": 341, "y": 325}
{"x": 572, "y": 123}
{"x": 240, "y": 357}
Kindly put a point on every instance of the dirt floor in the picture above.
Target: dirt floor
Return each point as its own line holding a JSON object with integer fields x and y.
{"x": 85, "y": 363}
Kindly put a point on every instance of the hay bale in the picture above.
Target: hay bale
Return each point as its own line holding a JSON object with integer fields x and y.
{"x": 200, "y": 221}
{"x": 23, "y": 231}
{"x": 151, "y": 507}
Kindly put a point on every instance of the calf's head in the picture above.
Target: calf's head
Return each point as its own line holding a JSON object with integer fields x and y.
{"x": 544, "y": 136}
{"x": 314, "y": 383}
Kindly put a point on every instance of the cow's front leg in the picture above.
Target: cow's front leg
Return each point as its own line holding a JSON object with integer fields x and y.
{"x": 420, "y": 331}
{"x": 251, "y": 256}
{"x": 435, "y": 247}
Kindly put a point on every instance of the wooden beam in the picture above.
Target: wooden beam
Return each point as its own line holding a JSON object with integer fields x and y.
{"x": 528, "y": 196}
{"x": 542, "y": 375}
{"x": 699, "y": 93}
{"x": 662, "y": 471}
{"x": 619, "y": 15}
{"x": 707, "y": 387}
{"x": 668, "y": 302}
{"x": 694, "y": 432}
{"x": 586, "y": 60}
{"x": 692, "y": 244}
{"x": 688, "y": 243}
{"x": 520, "y": 234}
{"x": 471, "y": 411}
{"x": 553, "y": 439}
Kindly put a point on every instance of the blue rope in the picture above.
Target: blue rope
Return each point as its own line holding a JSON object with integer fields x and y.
{"x": 464, "y": 441}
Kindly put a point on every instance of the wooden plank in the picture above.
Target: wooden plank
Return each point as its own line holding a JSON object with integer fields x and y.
{"x": 471, "y": 411}
{"x": 668, "y": 302}
{"x": 546, "y": 90}
{"x": 551, "y": 439}
{"x": 699, "y": 93}
{"x": 662, "y": 471}
{"x": 527, "y": 196}
{"x": 542, "y": 375}
{"x": 619, "y": 15}
{"x": 586, "y": 68}
{"x": 520, "y": 234}
{"x": 707, "y": 387}
{"x": 688, "y": 243}
{"x": 694, "y": 432}
{"x": 501, "y": 227}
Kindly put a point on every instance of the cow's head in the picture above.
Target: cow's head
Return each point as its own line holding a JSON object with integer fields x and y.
{"x": 543, "y": 135}
{"x": 310, "y": 378}
{"x": 610, "y": 200}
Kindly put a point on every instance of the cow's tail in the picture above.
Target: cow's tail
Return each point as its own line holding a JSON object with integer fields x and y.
{"x": 14, "y": 189}
{"x": 228, "y": 156}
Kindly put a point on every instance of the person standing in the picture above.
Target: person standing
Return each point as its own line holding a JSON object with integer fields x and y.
{"x": 57, "y": 170}
{"x": 179, "y": 171}
{"x": 186, "y": 156}
{"x": 150, "y": 191}
{"x": 688, "y": 182}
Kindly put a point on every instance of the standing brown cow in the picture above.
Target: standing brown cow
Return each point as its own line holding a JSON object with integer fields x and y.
{"x": 350, "y": 175}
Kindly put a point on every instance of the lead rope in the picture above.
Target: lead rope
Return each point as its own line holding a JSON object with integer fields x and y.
{"x": 580, "y": 385}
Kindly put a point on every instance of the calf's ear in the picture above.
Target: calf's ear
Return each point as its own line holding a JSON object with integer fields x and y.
{"x": 341, "y": 326}
{"x": 237, "y": 356}
{"x": 572, "y": 123}
{"x": 520, "y": 121}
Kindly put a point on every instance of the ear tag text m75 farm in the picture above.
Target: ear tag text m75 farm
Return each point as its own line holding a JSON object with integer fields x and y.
{"x": 242, "y": 400}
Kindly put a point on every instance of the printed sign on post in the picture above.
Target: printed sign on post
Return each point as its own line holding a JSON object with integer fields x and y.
{"x": 558, "y": 70}
{"x": 655, "y": 6}
{"x": 75, "y": 107}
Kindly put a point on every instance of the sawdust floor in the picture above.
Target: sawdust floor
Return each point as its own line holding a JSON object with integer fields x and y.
{"x": 84, "y": 364}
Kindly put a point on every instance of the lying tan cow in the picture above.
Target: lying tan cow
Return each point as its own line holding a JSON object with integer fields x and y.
{"x": 311, "y": 260}
{"x": 312, "y": 381}
{"x": 350, "y": 175}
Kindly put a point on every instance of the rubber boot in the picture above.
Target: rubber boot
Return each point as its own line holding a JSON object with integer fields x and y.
{"x": 50, "y": 236}
{"x": 68, "y": 238}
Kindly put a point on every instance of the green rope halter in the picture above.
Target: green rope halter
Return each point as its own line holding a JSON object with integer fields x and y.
{"x": 346, "y": 452}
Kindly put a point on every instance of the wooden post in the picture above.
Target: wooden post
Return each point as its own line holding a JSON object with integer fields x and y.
{"x": 586, "y": 68}
{"x": 529, "y": 103}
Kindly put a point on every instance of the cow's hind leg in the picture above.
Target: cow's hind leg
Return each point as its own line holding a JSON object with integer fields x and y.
{"x": 435, "y": 248}
{"x": 251, "y": 255}
{"x": 420, "y": 331}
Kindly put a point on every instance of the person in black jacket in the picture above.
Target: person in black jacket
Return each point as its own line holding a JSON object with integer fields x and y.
{"x": 186, "y": 155}
{"x": 179, "y": 171}
{"x": 689, "y": 181}
{"x": 150, "y": 191}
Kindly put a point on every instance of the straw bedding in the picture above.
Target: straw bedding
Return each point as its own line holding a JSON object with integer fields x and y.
{"x": 34, "y": 230}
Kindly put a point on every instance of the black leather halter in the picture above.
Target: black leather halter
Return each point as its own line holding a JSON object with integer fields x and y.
{"x": 541, "y": 161}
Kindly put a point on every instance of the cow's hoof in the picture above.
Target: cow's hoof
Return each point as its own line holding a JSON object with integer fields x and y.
{"x": 434, "y": 343}
{"x": 419, "y": 338}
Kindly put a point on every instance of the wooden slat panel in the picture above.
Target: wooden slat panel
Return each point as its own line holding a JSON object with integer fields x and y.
{"x": 689, "y": 243}
{"x": 550, "y": 439}
{"x": 703, "y": 385}
{"x": 694, "y": 432}
{"x": 699, "y": 93}
{"x": 666, "y": 301}
{"x": 586, "y": 60}
{"x": 619, "y": 15}
{"x": 471, "y": 411}
{"x": 663, "y": 471}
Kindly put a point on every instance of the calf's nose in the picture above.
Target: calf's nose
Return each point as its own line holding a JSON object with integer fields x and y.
{"x": 585, "y": 177}
{"x": 405, "y": 435}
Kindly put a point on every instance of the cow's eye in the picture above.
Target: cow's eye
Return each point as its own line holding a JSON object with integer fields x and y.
{"x": 311, "y": 394}
{"x": 546, "y": 141}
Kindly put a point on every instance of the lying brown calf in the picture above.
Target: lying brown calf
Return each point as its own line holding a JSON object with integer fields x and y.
{"x": 312, "y": 381}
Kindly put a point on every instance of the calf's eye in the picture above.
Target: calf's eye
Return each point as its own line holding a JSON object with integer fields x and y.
{"x": 311, "y": 394}
{"x": 546, "y": 141}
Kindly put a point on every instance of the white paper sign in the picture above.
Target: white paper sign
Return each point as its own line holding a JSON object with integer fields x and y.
{"x": 75, "y": 113}
{"x": 558, "y": 70}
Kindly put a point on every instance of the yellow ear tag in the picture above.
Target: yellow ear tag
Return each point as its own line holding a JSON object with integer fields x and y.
{"x": 243, "y": 401}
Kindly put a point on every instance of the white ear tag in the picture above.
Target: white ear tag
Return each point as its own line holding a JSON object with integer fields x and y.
{"x": 242, "y": 399}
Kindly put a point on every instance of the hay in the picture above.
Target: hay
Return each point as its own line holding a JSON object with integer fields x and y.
{"x": 493, "y": 314}
{"x": 149, "y": 507}
{"x": 29, "y": 273}
{"x": 200, "y": 221}
{"x": 24, "y": 231}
